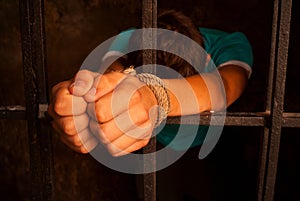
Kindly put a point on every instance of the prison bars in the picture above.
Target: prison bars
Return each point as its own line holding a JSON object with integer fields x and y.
{"x": 276, "y": 91}
{"x": 149, "y": 20}
{"x": 34, "y": 60}
{"x": 34, "y": 70}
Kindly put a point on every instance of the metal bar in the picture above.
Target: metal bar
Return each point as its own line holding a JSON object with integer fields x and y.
{"x": 262, "y": 165}
{"x": 34, "y": 69}
{"x": 149, "y": 20}
{"x": 19, "y": 112}
{"x": 291, "y": 122}
{"x": 232, "y": 118}
{"x": 149, "y": 17}
{"x": 13, "y": 112}
{"x": 265, "y": 137}
{"x": 272, "y": 55}
{"x": 278, "y": 98}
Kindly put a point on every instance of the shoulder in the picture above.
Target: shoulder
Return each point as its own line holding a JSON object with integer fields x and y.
{"x": 228, "y": 48}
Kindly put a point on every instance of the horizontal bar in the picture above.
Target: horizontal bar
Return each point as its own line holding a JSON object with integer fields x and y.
{"x": 13, "y": 112}
{"x": 291, "y": 122}
{"x": 19, "y": 112}
{"x": 232, "y": 118}
{"x": 238, "y": 119}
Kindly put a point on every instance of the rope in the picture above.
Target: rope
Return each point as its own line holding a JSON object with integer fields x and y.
{"x": 159, "y": 90}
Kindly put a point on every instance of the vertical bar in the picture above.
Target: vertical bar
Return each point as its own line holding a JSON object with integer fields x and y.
{"x": 272, "y": 55}
{"x": 265, "y": 138}
{"x": 278, "y": 98}
{"x": 263, "y": 163}
{"x": 149, "y": 20}
{"x": 34, "y": 70}
{"x": 149, "y": 17}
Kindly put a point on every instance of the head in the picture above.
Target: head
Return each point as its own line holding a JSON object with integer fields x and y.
{"x": 176, "y": 22}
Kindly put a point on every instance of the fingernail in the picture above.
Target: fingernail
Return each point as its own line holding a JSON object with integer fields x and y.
{"x": 79, "y": 83}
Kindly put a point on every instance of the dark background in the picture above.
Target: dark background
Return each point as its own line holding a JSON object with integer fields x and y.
{"x": 73, "y": 29}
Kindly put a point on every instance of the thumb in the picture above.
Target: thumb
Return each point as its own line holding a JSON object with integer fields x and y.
{"x": 82, "y": 82}
{"x": 104, "y": 84}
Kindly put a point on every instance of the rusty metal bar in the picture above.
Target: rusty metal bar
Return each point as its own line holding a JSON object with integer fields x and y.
{"x": 291, "y": 120}
{"x": 278, "y": 98}
{"x": 273, "y": 50}
{"x": 35, "y": 78}
{"x": 13, "y": 112}
{"x": 232, "y": 118}
{"x": 265, "y": 137}
{"x": 33, "y": 48}
{"x": 149, "y": 18}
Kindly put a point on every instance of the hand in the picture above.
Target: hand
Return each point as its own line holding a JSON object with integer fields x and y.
{"x": 68, "y": 111}
{"x": 123, "y": 112}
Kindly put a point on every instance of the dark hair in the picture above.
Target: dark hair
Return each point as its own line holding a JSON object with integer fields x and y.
{"x": 178, "y": 23}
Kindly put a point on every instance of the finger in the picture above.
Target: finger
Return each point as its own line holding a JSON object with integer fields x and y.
{"x": 112, "y": 104}
{"x": 124, "y": 142}
{"x": 80, "y": 138}
{"x": 71, "y": 125}
{"x": 65, "y": 104}
{"x": 104, "y": 84}
{"x": 136, "y": 146}
{"x": 96, "y": 131}
{"x": 51, "y": 112}
{"x": 64, "y": 84}
{"x": 82, "y": 143}
{"x": 124, "y": 123}
{"x": 84, "y": 149}
{"x": 82, "y": 82}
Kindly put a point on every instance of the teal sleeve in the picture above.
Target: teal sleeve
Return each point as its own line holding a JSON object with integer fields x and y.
{"x": 224, "y": 47}
{"x": 185, "y": 138}
{"x": 120, "y": 44}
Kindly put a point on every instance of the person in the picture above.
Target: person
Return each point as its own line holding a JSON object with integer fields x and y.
{"x": 121, "y": 111}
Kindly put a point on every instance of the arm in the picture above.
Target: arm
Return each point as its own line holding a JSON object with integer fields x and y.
{"x": 121, "y": 136}
{"x": 206, "y": 89}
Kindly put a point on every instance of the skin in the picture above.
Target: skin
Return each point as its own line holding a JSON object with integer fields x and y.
{"x": 119, "y": 111}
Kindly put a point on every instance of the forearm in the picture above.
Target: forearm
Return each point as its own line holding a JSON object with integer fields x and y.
{"x": 235, "y": 80}
{"x": 206, "y": 92}
{"x": 195, "y": 94}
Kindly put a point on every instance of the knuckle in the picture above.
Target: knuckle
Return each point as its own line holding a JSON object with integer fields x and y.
{"x": 113, "y": 150}
{"x": 69, "y": 127}
{"x": 144, "y": 115}
{"x": 102, "y": 134}
{"x": 100, "y": 117}
{"x": 100, "y": 114}
{"x": 83, "y": 150}
{"x": 77, "y": 141}
{"x": 137, "y": 96}
{"x": 59, "y": 106}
